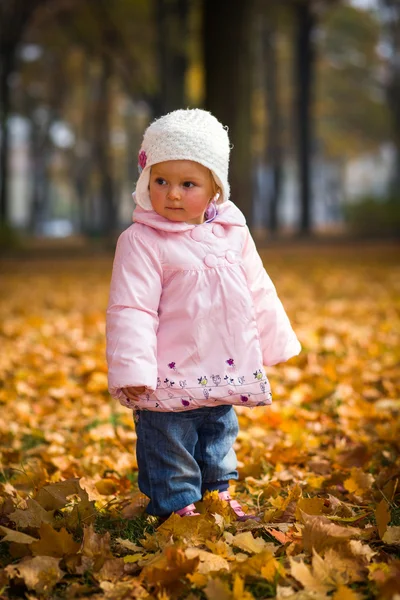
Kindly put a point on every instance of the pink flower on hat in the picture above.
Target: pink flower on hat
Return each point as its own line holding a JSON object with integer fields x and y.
{"x": 142, "y": 160}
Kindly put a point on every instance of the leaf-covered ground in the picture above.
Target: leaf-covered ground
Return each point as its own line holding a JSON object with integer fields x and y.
{"x": 321, "y": 466}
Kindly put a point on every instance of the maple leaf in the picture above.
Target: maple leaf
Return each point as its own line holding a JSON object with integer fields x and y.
{"x": 392, "y": 535}
{"x": 194, "y": 530}
{"x": 40, "y": 573}
{"x": 319, "y": 533}
{"x": 33, "y": 516}
{"x": 245, "y": 541}
{"x": 54, "y": 543}
{"x": 95, "y": 547}
{"x": 16, "y": 536}
{"x": 359, "y": 482}
{"x": 57, "y": 496}
{"x": 169, "y": 568}
{"x": 208, "y": 560}
{"x": 382, "y": 516}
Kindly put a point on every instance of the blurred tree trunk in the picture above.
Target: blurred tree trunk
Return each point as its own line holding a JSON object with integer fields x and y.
{"x": 6, "y": 67}
{"x": 226, "y": 42}
{"x": 172, "y": 27}
{"x": 304, "y": 63}
{"x": 273, "y": 146}
{"x": 14, "y": 17}
{"x": 391, "y": 16}
{"x": 104, "y": 193}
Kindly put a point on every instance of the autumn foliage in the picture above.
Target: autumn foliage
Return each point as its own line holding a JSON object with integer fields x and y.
{"x": 321, "y": 466}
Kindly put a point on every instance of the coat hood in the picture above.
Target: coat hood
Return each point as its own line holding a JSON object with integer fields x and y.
{"x": 228, "y": 214}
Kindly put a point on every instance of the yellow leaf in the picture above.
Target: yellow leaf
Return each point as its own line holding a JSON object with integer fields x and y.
{"x": 271, "y": 569}
{"x": 311, "y": 506}
{"x": 194, "y": 530}
{"x": 106, "y": 487}
{"x": 245, "y": 541}
{"x": 132, "y": 558}
{"x": 304, "y": 575}
{"x": 169, "y": 568}
{"x": 253, "y": 564}
{"x": 54, "y": 543}
{"x": 382, "y": 516}
{"x": 359, "y": 482}
{"x": 392, "y": 535}
{"x": 238, "y": 592}
{"x": 198, "y": 580}
{"x": 208, "y": 561}
{"x": 40, "y": 573}
{"x": 16, "y": 536}
{"x": 345, "y": 593}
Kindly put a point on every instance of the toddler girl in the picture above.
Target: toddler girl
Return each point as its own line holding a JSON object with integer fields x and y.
{"x": 192, "y": 317}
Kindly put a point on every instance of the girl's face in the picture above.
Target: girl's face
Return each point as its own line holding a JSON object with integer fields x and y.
{"x": 181, "y": 190}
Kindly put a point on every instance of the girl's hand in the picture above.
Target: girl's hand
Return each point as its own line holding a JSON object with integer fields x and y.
{"x": 133, "y": 392}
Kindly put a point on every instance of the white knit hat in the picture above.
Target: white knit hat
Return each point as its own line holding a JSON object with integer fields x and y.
{"x": 191, "y": 134}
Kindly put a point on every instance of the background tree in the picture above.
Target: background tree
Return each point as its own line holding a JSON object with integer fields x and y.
{"x": 228, "y": 80}
{"x": 14, "y": 18}
{"x": 391, "y": 18}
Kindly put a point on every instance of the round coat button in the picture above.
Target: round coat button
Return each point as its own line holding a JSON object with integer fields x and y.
{"x": 218, "y": 230}
{"x": 197, "y": 234}
{"x": 231, "y": 257}
{"x": 211, "y": 260}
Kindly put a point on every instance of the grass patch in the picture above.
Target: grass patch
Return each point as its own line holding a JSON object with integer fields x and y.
{"x": 129, "y": 529}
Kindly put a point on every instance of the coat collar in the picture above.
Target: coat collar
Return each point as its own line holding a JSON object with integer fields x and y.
{"x": 228, "y": 214}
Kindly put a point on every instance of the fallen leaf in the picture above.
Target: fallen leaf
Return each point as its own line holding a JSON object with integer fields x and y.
{"x": 16, "y": 536}
{"x": 392, "y": 535}
{"x": 319, "y": 533}
{"x": 54, "y": 543}
{"x": 40, "y": 573}
{"x": 382, "y": 516}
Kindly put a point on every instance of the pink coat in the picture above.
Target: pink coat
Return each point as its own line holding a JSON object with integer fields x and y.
{"x": 193, "y": 315}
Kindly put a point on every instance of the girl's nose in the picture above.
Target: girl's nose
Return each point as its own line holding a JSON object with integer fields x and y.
{"x": 173, "y": 193}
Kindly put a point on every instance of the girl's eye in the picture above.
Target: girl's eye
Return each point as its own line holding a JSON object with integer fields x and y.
{"x": 188, "y": 184}
{"x": 160, "y": 180}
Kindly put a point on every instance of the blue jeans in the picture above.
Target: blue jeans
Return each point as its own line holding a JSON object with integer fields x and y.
{"x": 181, "y": 455}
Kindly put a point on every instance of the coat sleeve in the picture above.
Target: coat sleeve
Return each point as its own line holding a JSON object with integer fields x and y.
{"x": 132, "y": 315}
{"x": 278, "y": 340}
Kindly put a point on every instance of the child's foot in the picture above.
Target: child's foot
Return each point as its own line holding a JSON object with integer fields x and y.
{"x": 187, "y": 511}
{"x": 235, "y": 506}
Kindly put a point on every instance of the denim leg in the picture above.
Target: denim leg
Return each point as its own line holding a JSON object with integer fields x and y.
{"x": 214, "y": 452}
{"x": 168, "y": 472}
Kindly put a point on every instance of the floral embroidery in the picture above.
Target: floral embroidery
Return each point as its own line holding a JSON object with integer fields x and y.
{"x": 216, "y": 379}
{"x": 206, "y": 393}
{"x": 172, "y": 366}
{"x": 203, "y": 380}
{"x": 262, "y": 386}
{"x": 241, "y": 380}
{"x": 230, "y": 362}
{"x": 169, "y": 383}
{"x": 142, "y": 161}
{"x": 185, "y": 402}
{"x": 158, "y": 382}
{"x": 258, "y": 374}
{"x": 183, "y": 384}
{"x": 229, "y": 379}
{"x": 244, "y": 398}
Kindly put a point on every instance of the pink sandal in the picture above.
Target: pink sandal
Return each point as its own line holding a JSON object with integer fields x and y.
{"x": 187, "y": 511}
{"x": 237, "y": 509}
